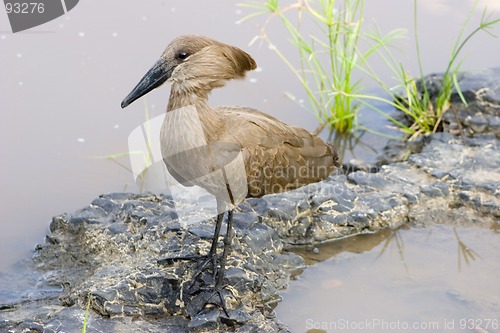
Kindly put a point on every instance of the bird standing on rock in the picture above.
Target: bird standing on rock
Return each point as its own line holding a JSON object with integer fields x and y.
{"x": 233, "y": 152}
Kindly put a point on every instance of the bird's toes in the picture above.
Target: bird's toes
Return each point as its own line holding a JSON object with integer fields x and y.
{"x": 170, "y": 260}
{"x": 212, "y": 296}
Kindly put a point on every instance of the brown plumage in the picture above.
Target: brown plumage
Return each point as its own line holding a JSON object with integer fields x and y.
{"x": 199, "y": 141}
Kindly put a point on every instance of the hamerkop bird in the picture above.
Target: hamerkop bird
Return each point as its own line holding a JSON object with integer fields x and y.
{"x": 233, "y": 152}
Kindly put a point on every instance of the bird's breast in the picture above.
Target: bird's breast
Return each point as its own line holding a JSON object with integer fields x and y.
{"x": 193, "y": 159}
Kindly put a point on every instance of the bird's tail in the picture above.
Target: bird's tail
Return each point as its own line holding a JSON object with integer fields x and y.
{"x": 335, "y": 155}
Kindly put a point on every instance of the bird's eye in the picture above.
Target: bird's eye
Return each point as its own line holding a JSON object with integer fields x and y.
{"x": 182, "y": 55}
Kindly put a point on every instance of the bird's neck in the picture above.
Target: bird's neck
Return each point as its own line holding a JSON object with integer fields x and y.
{"x": 182, "y": 96}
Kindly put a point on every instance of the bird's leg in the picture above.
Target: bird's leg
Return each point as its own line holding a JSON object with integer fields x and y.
{"x": 219, "y": 284}
{"x": 227, "y": 248}
{"x": 211, "y": 257}
{"x": 228, "y": 238}
{"x": 218, "y": 225}
{"x": 212, "y": 254}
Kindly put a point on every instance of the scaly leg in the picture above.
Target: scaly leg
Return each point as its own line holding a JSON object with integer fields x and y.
{"x": 227, "y": 248}
{"x": 219, "y": 284}
{"x": 211, "y": 257}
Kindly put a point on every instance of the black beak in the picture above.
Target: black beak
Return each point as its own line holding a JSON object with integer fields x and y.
{"x": 154, "y": 78}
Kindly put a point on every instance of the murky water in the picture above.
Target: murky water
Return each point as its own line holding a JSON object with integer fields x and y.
{"x": 61, "y": 85}
{"x": 440, "y": 278}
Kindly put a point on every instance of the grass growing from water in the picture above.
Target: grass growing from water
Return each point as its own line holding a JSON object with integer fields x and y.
{"x": 330, "y": 56}
{"x": 413, "y": 96}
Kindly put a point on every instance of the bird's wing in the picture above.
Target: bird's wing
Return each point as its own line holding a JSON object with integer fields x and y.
{"x": 278, "y": 157}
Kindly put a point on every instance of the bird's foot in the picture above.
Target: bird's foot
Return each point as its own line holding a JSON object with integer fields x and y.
{"x": 203, "y": 262}
{"x": 212, "y": 295}
{"x": 171, "y": 259}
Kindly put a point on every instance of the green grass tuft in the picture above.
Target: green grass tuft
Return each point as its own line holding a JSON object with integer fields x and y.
{"x": 331, "y": 55}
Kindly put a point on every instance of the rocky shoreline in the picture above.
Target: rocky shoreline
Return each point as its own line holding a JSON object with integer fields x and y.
{"x": 107, "y": 253}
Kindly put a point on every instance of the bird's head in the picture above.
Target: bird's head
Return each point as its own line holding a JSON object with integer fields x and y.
{"x": 194, "y": 63}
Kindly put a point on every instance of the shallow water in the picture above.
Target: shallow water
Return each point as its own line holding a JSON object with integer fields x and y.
{"x": 440, "y": 278}
{"x": 61, "y": 85}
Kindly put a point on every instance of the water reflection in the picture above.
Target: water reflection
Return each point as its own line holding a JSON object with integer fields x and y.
{"x": 409, "y": 275}
{"x": 398, "y": 240}
{"x": 464, "y": 252}
{"x": 384, "y": 241}
{"x": 356, "y": 244}
{"x": 349, "y": 146}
